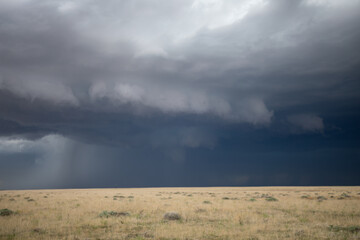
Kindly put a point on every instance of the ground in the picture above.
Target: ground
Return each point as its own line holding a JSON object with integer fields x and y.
{"x": 204, "y": 213}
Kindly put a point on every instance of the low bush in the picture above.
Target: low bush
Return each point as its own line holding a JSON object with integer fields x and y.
{"x": 172, "y": 216}
{"x": 271, "y": 199}
{"x": 321, "y": 198}
{"x": 6, "y": 212}
{"x": 113, "y": 214}
{"x": 352, "y": 229}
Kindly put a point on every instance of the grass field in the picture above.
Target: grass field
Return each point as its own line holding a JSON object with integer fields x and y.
{"x": 206, "y": 213}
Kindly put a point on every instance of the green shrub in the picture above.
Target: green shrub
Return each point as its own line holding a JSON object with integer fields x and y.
{"x": 113, "y": 214}
{"x": 352, "y": 229}
{"x": 271, "y": 199}
{"x": 321, "y": 198}
{"x": 172, "y": 216}
{"x": 6, "y": 212}
{"x": 344, "y": 195}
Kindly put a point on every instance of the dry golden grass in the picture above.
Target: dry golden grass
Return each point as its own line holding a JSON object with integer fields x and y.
{"x": 207, "y": 213}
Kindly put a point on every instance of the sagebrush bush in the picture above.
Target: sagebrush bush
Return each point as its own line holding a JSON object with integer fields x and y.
{"x": 6, "y": 212}
{"x": 271, "y": 199}
{"x": 352, "y": 229}
{"x": 321, "y": 198}
{"x": 113, "y": 214}
{"x": 172, "y": 216}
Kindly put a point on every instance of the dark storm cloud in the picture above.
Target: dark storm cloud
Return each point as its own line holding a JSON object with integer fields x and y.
{"x": 174, "y": 80}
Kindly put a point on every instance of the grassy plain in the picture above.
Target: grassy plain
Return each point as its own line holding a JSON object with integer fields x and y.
{"x": 206, "y": 213}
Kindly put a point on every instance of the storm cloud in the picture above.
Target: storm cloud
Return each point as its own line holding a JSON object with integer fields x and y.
{"x": 218, "y": 90}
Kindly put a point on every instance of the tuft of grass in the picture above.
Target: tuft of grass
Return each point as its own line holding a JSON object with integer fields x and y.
{"x": 200, "y": 210}
{"x": 172, "y": 216}
{"x": 113, "y": 214}
{"x": 321, "y": 198}
{"x": 345, "y": 195}
{"x": 8, "y": 236}
{"x": 226, "y": 198}
{"x": 241, "y": 221}
{"x": 351, "y": 229}
{"x": 252, "y": 199}
{"x": 271, "y": 199}
{"x": 6, "y": 212}
{"x": 38, "y": 230}
{"x": 206, "y": 202}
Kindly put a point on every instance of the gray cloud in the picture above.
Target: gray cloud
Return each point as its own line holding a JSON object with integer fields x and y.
{"x": 77, "y": 42}
{"x": 307, "y": 122}
{"x": 238, "y": 61}
{"x": 173, "y": 77}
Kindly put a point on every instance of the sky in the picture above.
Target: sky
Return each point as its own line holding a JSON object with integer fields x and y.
{"x": 187, "y": 93}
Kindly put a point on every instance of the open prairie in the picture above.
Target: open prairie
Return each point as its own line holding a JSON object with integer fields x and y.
{"x": 199, "y": 213}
